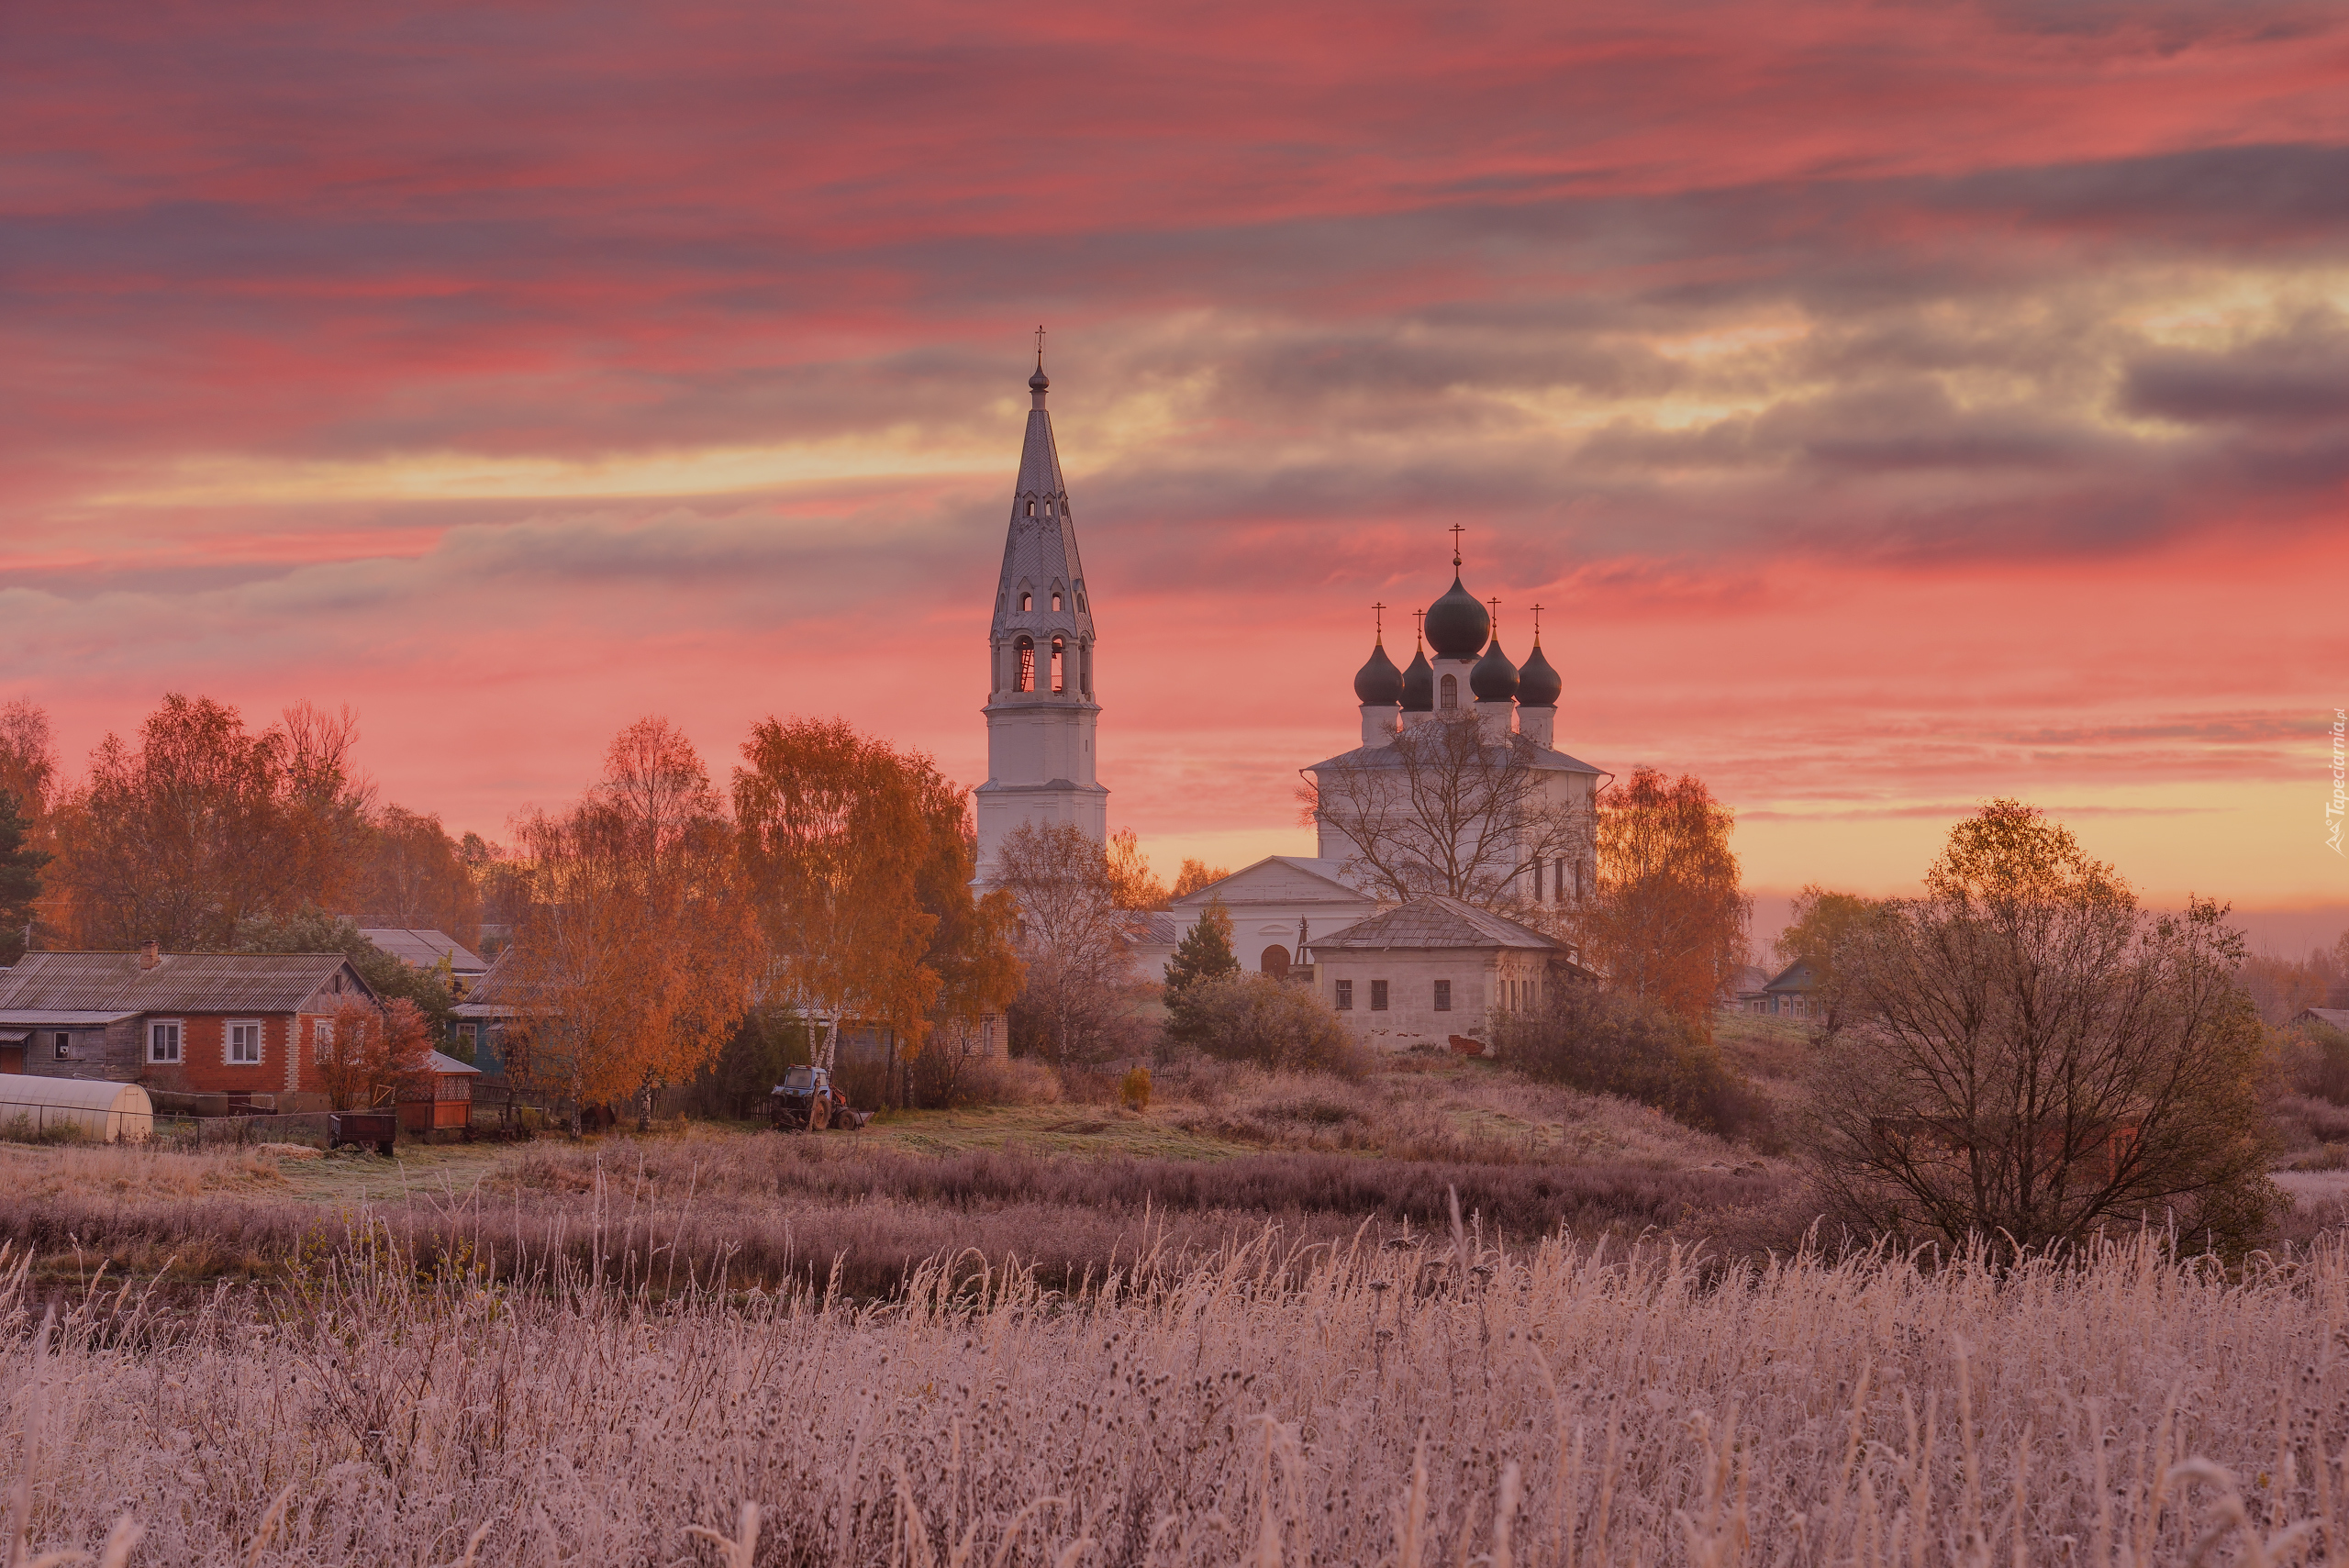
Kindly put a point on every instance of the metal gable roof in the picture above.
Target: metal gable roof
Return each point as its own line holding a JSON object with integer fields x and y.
{"x": 1436, "y": 921}
{"x": 1155, "y": 927}
{"x": 422, "y": 949}
{"x": 1329, "y": 872}
{"x": 180, "y": 983}
{"x": 1546, "y": 760}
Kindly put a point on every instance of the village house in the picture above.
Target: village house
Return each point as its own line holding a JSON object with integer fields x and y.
{"x": 199, "y": 1023}
{"x": 493, "y": 1001}
{"x": 1792, "y": 993}
{"x": 1432, "y": 969}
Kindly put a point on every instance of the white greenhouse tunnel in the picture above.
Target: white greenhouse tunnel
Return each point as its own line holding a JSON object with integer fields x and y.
{"x": 105, "y": 1112}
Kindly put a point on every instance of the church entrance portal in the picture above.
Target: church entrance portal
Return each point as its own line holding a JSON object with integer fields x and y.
{"x": 1275, "y": 962}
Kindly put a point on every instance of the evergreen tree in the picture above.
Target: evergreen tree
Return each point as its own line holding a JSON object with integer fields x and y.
{"x": 1204, "y": 953}
{"x": 19, "y": 879}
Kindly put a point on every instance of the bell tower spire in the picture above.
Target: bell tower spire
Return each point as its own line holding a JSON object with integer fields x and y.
{"x": 1040, "y": 708}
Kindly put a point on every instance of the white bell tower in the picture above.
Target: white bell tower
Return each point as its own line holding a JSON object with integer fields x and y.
{"x": 1041, "y": 706}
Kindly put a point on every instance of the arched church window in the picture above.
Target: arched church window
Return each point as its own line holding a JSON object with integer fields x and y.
{"x": 1060, "y": 665}
{"x": 1026, "y": 662}
{"x": 1028, "y": 602}
{"x": 1056, "y": 598}
{"x": 1451, "y": 692}
{"x": 1031, "y": 508}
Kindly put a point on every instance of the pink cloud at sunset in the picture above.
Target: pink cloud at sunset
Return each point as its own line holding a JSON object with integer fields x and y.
{"x": 1895, "y": 406}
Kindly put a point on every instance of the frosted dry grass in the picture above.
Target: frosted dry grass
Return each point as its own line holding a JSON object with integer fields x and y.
{"x": 119, "y": 1170}
{"x": 1411, "y": 1406}
{"x": 1475, "y": 1115}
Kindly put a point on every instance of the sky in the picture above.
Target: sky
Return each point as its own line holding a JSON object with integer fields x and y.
{"x": 1893, "y": 407}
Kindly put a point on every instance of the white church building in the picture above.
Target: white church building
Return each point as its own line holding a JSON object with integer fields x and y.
{"x": 1042, "y": 712}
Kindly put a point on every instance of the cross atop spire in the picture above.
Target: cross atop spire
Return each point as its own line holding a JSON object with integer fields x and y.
{"x": 1537, "y": 625}
{"x": 1456, "y": 531}
{"x": 1496, "y": 605}
{"x": 1039, "y": 382}
{"x": 1378, "y": 624}
{"x": 1420, "y": 628}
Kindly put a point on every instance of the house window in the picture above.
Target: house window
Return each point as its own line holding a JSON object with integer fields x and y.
{"x": 1443, "y": 995}
{"x": 163, "y": 1040}
{"x": 1379, "y": 996}
{"x": 1451, "y": 693}
{"x": 1026, "y": 658}
{"x": 63, "y": 1045}
{"x": 322, "y": 1037}
{"x": 244, "y": 1042}
{"x": 1345, "y": 1003}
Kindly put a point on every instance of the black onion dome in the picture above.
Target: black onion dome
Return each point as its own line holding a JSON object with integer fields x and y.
{"x": 1495, "y": 678}
{"x": 1538, "y": 685}
{"x": 1378, "y": 682}
{"x": 1419, "y": 684}
{"x": 1038, "y": 382}
{"x": 1457, "y": 625}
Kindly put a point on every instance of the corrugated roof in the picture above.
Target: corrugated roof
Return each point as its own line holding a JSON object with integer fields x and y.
{"x": 1149, "y": 926}
{"x": 499, "y": 993}
{"x": 1436, "y": 921}
{"x": 440, "y": 1063}
{"x": 421, "y": 949}
{"x": 180, "y": 983}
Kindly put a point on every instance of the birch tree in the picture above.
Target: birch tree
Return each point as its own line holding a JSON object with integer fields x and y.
{"x": 1668, "y": 920}
{"x": 638, "y": 949}
{"x": 833, "y": 846}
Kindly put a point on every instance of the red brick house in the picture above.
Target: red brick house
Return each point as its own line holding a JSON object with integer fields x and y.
{"x": 198, "y": 1022}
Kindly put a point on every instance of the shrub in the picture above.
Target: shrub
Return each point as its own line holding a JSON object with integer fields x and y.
{"x": 1611, "y": 1044}
{"x": 1010, "y": 1081}
{"x": 22, "y": 1129}
{"x": 1135, "y": 1091}
{"x": 1254, "y": 1017}
{"x": 2319, "y": 1059}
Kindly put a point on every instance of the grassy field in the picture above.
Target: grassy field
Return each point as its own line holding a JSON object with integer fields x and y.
{"x": 1071, "y": 1191}
{"x": 1441, "y": 1402}
{"x": 1248, "y": 1325}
